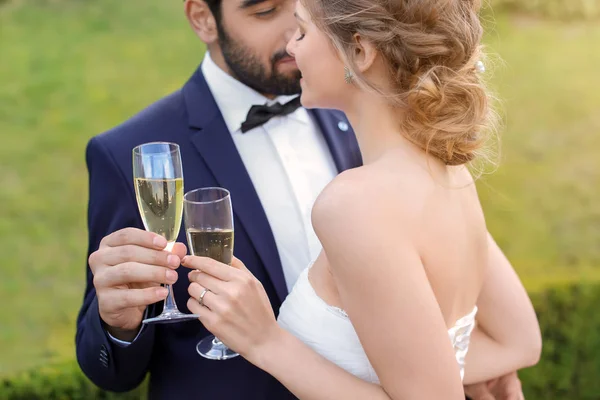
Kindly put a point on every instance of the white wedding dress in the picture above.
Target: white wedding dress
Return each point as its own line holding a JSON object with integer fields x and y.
{"x": 329, "y": 332}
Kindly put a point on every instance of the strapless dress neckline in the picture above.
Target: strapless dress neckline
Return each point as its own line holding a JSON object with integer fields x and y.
{"x": 328, "y": 330}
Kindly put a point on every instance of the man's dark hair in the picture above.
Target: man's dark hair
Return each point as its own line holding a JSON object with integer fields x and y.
{"x": 213, "y": 5}
{"x": 215, "y": 9}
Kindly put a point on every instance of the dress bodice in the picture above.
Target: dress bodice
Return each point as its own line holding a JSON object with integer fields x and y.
{"x": 329, "y": 331}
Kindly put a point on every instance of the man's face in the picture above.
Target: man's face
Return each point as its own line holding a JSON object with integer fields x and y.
{"x": 252, "y": 36}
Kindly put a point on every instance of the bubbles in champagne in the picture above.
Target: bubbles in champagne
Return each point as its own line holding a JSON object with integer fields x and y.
{"x": 216, "y": 244}
{"x": 160, "y": 202}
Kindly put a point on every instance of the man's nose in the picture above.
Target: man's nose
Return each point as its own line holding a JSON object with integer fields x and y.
{"x": 291, "y": 45}
{"x": 289, "y": 33}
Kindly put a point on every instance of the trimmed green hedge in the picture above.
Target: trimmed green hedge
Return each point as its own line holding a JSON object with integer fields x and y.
{"x": 570, "y": 366}
{"x": 59, "y": 382}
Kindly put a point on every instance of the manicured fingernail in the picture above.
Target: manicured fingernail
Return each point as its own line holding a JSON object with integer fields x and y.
{"x": 171, "y": 275}
{"x": 173, "y": 260}
{"x": 160, "y": 241}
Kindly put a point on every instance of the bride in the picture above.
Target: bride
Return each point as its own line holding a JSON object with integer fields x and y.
{"x": 409, "y": 279}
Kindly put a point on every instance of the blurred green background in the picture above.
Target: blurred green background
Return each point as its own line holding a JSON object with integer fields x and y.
{"x": 72, "y": 69}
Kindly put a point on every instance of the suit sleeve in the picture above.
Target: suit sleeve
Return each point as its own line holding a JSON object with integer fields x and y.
{"x": 111, "y": 207}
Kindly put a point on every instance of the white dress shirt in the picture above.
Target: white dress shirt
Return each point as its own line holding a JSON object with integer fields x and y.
{"x": 288, "y": 161}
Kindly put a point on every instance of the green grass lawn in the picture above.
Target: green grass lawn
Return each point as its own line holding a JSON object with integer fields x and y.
{"x": 543, "y": 204}
{"x": 71, "y": 69}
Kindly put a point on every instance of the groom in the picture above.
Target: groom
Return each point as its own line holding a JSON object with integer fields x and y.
{"x": 239, "y": 126}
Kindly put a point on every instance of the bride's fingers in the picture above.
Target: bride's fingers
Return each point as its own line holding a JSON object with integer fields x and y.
{"x": 204, "y": 313}
{"x": 237, "y": 263}
{"x": 212, "y": 267}
{"x": 196, "y": 291}
{"x": 207, "y": 281}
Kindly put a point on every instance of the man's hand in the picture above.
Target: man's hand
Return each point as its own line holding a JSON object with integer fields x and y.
{"x": 479, "y": 391}
{"x": 507, "y": 387}
{"x": 128, "y": 268}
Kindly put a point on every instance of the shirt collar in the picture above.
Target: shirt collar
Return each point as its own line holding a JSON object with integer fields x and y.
{"x": 234, "y": 99}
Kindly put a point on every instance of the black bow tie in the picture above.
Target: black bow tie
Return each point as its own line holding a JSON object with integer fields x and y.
{"x": 259, "y": 115}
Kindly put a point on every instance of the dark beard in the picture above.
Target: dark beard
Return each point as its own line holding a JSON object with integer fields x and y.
{"x": 247, "y": 68}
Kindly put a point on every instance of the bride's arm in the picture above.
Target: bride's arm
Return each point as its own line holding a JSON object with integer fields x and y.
{"x": 308, "y": 375}
{"x": 507, "y": 328}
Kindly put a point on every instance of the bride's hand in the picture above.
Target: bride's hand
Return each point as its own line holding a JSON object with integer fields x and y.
{"x": 235, "y": 308}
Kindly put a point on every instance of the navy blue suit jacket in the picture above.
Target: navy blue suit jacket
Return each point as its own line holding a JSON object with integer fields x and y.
{"x": 191, "y": 118}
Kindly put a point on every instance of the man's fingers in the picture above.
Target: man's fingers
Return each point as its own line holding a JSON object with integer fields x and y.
{"x": 113, "y": 256}
{"x": 491, "y": 384}
{"x": 482, "y": 396}
{"x": 478, "y": 391}
{"x": 515, "y": 391}
{"x": 508, "y": 388}
{"x": 134, "y": 236}
{"x": 132, "y": 272}
{"x": 114, "y": 300}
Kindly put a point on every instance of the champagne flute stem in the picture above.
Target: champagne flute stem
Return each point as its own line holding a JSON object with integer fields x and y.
{"x": 169, "y": 304}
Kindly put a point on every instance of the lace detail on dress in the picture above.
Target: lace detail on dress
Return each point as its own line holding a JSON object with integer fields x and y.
{"x": 460, "y": 336}
{"x": 334, "y": 309}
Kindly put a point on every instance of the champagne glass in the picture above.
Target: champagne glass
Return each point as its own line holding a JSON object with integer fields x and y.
{"x": 209, "y": 229}
{"x": 158, "y": 180}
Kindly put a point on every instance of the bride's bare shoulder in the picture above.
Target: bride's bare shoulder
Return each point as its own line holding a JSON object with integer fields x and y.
{"x": 348, "y": 182}
{"x": 361, "y": 196}
{"x": 351, "y": 182}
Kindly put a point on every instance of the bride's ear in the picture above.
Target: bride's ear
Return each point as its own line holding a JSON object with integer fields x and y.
{"x": 364, "y": 53}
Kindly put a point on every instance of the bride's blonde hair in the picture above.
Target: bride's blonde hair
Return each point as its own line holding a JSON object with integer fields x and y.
{"x": 434, "y": 53}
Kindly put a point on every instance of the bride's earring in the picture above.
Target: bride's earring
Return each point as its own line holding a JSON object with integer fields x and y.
{"x": 348, "y": 75}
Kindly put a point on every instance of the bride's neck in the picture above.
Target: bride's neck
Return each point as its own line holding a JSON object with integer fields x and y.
{"x": 376, "y": 124}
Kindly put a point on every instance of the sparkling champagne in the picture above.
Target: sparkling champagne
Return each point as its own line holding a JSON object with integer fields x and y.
{"x": 161, "y": 205}
{"x": 216, "y": 244}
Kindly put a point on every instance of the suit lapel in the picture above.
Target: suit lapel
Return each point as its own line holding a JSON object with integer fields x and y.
{"x": 213, "y": 141}
{"x": 339, "y": 137}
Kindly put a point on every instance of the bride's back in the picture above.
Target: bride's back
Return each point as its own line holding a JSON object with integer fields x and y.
{"x": 448, "y": 229}
{"x": 453, "y": 240}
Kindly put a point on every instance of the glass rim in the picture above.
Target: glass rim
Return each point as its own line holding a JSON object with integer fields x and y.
{"x": 174, "y": 149}
{"x": 215, "y": 188}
